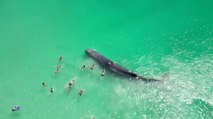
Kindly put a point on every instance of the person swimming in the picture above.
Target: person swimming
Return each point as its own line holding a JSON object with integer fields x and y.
{"x": 102, "y": 73}
{"x": 51, "y": 90}
{"x": 57, "y": 70}
{"x": 92, "y": 67}
{"x": 81, "y": 92}
{"x": 83, "y": 67}
{"x": 16, "y": 108}
{"x": 59, "y": 66}
{"x": 70, "y": 84}
{"x": 44, "y": 84}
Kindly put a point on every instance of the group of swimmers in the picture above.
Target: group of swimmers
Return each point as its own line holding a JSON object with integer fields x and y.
{"x": 69, "y": 85}
{"x": 71, "y": 82}
{"x": 92, "y": 67}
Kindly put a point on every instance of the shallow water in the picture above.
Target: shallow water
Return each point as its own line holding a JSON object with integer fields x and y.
{"x": 152, "y": 38}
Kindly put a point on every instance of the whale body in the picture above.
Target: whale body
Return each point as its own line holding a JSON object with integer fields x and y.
{"x": 114, "y": 67}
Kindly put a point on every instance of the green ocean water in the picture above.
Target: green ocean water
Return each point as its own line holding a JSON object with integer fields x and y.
{"x": 150, "y": 37}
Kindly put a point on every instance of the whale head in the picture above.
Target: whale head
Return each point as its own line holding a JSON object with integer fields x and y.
{"x": 103, "y": 61}
{"x": 91, "y": 52}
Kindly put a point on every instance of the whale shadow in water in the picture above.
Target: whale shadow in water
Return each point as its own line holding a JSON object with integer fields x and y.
{"x": 115, "y": 68}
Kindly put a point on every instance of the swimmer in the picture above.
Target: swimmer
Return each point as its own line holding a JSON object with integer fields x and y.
{"x": 51, "y": 90}
{"x": 102, "y": 73}
{"x": 70, "y": 84}
{"x": 72, "y": 81}
{"x": 81, "y": 92}
{"x": 57, "y": 70}
{"x": 92, "y": 67}
{"x": 16, "y": 108}
{"x": 60, "y": 58}
{"x": 83, "y": 67}
{"x": 44, "y": 84}
{"x": 59, "y": 66}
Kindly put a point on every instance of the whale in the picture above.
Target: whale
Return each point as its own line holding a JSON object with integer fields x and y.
{"x": 115, "y": 68}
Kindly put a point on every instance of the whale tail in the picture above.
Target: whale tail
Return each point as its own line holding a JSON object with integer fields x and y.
{"x": 148, "y": 79}
{"x": 165, "y": 77}
{"x": 136, "y": 76}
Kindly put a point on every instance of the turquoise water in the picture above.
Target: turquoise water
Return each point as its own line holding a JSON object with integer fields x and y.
{"x": 150, "y": 37}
